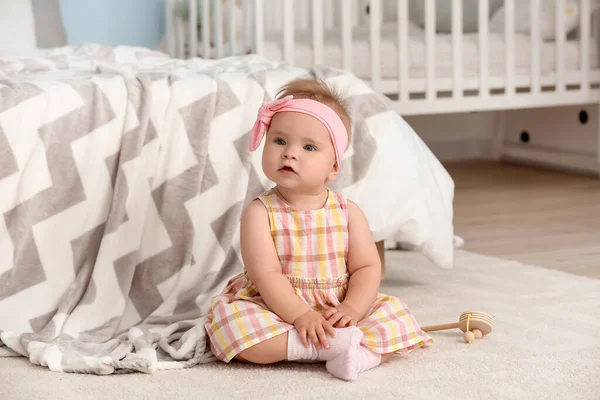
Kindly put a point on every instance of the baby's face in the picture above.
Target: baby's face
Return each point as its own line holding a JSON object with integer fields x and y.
{"x": 298, "y": 152}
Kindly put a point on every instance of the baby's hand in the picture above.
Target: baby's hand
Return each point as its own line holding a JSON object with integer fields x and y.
{"x": 342, "y": 316}
{"x": 313, "y": 326}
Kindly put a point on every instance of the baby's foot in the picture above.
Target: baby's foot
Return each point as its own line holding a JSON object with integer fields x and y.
{"x": 345, "y": 339}
{"x": 350, "y": 363}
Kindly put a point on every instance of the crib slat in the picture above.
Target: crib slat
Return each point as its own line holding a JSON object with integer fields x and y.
{"x": 317, "y": 31}
{"x": 536, "y": 44}
{"x": 484, "y": 48}
{"x": 193, "y": 29}
{"x": 206, "y": 29}
{"x": 218, "y": 23}
{"x": 561, "y": 37}
{"x": 457, "y": 35}
{"x": 509, "y": 34}
{"x": 288, "y": 31}
{"x": 403, "y": 58}
{"x": 346, "y": 13}
{"x": 375, "y": 39}
{"x": 585, "y": 45}
{"x": 259, "y": 33}
{"x": 430, "y": 34}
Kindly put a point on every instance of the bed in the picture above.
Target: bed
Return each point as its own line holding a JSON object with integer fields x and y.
{"x": 428, "y": 57}
{"x": 124, "y": 173}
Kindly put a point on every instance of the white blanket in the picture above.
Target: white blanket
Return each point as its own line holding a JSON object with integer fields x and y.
{"x": 123, "y": 177}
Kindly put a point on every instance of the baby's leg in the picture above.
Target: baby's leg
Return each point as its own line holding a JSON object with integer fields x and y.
{"x": 385, "y": 357}
{"x": 289, "y": 346}
{"x": 268, "y": 352}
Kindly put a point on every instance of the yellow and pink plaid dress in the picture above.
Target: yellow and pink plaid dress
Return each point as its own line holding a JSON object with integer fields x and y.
{"x": 312, "y": 246}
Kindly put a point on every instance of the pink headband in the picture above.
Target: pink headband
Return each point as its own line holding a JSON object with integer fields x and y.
{"x": 328, "y": 117}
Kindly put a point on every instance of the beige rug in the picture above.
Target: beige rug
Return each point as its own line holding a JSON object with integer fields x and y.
{"x": 545, "y": 344}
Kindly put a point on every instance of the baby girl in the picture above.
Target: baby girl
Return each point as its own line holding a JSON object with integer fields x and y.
{"x": 310, "y": 286}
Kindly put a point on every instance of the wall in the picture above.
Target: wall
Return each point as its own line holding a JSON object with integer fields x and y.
{"x": 114, "y": 22}
{"x": 455, "y": 136}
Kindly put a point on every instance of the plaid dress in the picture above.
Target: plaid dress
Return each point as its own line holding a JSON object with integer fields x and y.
{"x": 312, "y": 246}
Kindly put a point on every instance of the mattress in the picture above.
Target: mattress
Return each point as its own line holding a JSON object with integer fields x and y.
{"x": 417, "y": 61}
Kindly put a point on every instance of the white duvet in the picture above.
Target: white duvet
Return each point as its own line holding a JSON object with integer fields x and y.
{"x": 123, "y": 176}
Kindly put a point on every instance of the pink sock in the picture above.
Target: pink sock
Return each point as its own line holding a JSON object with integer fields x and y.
{"x": 350, "y": 363}
{"x": 344, "y": 339}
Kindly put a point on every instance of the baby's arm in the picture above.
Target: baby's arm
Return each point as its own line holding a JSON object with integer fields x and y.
{"x": 263, "y": 266}
{"x": 364, "y": 264}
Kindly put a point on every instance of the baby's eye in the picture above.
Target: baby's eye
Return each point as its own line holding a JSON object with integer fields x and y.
{"x": 280, "y": 141}
{"x": 310, "y": 147}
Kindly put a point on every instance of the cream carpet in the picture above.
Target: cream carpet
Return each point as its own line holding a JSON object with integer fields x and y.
{"x": 545, "y": 344}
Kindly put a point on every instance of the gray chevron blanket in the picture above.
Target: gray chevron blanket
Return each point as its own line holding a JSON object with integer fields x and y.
{"x": 123, "y": 175}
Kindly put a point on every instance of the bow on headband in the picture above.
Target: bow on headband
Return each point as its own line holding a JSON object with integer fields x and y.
{"x": 328, "y": 117}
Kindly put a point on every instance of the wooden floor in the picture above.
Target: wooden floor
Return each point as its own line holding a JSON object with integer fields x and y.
{"x": 529, "y": 214}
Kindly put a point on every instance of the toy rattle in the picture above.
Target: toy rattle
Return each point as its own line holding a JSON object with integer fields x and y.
{"x": 475, "y": 324}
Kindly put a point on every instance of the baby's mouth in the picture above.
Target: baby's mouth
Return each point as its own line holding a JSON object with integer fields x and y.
{"x": 287, "y": 168}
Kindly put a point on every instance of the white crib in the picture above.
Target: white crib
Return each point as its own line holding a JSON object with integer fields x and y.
{"x": 549, "y": 57}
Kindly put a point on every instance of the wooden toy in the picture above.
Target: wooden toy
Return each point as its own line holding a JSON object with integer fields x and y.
{"x": 475, "y": 324}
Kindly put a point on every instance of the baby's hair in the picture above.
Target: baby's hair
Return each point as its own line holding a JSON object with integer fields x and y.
{"x": 320, "y": 91}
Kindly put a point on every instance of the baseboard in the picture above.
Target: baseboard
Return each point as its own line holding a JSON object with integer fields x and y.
{"x": 561, "y": 160}
{"x": 461, "y": 149}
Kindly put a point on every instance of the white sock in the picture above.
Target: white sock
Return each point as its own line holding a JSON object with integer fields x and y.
{"x": 344, "y": 339}
{"x": 352, "y": 362}
{"x": 296, "y": 349}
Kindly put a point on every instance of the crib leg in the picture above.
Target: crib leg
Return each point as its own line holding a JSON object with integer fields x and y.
{"x": 499, "y": 134}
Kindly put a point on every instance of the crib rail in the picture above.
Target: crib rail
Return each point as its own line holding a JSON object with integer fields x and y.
{"x": 288, "y": 29}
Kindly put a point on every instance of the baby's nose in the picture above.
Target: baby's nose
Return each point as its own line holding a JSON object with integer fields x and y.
{"x": 289, "y": 153}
